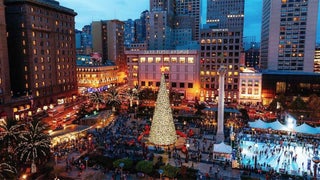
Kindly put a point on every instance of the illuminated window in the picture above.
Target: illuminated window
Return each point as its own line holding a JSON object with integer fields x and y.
{"x": 166, "y": 59}
{"x": 27, "y": 86}
{"x": 34, "y": 51}
{"x": 33, "y": 42}
{"x": 23, "y": 42}
{"x": 142, "y": 59}
{"x": 24, "y": 51}
{"x": 57, "y": 23}
{"x": 37, "y": 85}
{"x": 33, "y": 34}
{"x": 150, "y": 59}
{"x": 174, "y": 59}
{"x": 42, "y": 67}
{"x": 158, "y": 59}
{"x": 58, "y": 66}
{"x": 243, "y": 82}
{"x": 25, "y": 68}
{"x": 37, "y": 93}
{"x": 36, "y": 76}
{"x": 182, "y": 60}
{"x": 243, "y": 90}
{"x": 190, "y": 60}
{"x": 23, "y": 34}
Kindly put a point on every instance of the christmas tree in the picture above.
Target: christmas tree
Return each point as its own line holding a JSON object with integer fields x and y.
{"x": 162, "y": 131}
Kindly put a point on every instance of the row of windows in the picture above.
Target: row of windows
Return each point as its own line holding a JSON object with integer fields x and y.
{"x": 220, "y": 41}
{"x": 189, "y": 60}
{"x": 53, "y": 14}
{"x": 253, "y": 91}
{"x": 214, "y": 86}
{"x": 173, "y": 84}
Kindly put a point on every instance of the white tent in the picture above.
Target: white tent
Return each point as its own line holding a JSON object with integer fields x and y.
{"x": 222, "y": 148}
{"x": 258, "y": 124}
{"x": 305, "y": 128}
{"x": 276, "y": 125}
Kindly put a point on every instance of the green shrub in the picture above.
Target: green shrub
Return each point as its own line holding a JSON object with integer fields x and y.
{"x": 126, "y": 161}
{"x": 145, "y": 167}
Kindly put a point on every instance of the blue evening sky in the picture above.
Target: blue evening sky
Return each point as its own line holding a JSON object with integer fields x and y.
{"x": 95, "y": 10}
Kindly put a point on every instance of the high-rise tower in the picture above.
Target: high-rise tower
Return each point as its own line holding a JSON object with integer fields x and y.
{"x": 222, "y": 14}
{"x": 4, "y": 61}
{"x": 221, "y": 45}
{"x": 288, "y": 35}
{"x": 41, "y": 44}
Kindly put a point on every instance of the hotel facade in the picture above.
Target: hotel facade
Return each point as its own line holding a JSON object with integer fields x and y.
{"x": 181, "y": 69}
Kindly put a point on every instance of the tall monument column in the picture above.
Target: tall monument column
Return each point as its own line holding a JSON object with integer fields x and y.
{"x": 220, "y": 133}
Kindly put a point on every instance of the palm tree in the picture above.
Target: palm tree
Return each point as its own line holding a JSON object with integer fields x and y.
{"x": 9, "y": 132}
{"x": 7, "y": 171}
{"x": 112, "y": 98}
{"x": 96, "y": 98}
{"x": 34, "y": 144}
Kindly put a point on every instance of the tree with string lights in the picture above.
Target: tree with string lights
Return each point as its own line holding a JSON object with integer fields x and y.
{"x": 162, "y": 132}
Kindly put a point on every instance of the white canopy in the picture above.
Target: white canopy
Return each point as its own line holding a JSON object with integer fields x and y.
{"x": 222, "y": 148}
{"x": 276, "y": 125}
{"x": 305, "y": 128}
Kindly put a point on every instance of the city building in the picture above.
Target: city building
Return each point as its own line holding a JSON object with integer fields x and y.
{"x": 221, "y": 45}
{"x": 42, "y": 58}
{"x": 188, "y": 11}
{"x": 140, "y": 28}
{"x": 172, "y": 23}
{"x": 93, "y": 75}
{"x": 129, "y": 32}
{"x": 83, "y": 42}
{"x": 288, "y": 35}
{"x": 250, "y": 86}
{"x": 225, "y": 14}
{"x": 290, "y": 84}
{"x": 5, "y": 91}
{"x": 159, "y": 27}
{"x": 252, "y": 56}
{"x": 317, "y": 60}
{"x": 181, "y": 68}
{"x": 108, "y": 40}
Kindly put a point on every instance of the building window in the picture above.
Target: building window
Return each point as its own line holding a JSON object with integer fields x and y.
{"x": 181, "y": 85}
{"x": 150, "y": 59}
{"x": 190, "y": 85}
{"x": 182, "y": 60}
{"x": 190, "y": 60}
{"x": 174, "y": 84}
{"x": 143, "y": 83}
{"x": 142, "y": 60}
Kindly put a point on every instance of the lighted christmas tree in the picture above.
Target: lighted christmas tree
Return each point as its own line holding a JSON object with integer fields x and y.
{"x": 162, "y": 130}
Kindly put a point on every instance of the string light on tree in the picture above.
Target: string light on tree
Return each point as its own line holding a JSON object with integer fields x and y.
{"x": 162, "y": 130}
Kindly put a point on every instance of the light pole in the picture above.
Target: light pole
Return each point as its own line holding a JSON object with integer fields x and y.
{"x": 121, "y": 169}
{"x": 160, "y": 172}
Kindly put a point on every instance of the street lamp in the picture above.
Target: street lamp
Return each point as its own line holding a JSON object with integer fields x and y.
{"x": 160, "y": 172}
{"x": 86, "y": 159}
{"x": 316, "y": 160}
{"x": 121, "y": 168}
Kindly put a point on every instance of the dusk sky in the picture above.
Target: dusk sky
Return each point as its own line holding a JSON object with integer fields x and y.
{"x": 95, "y": 10}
